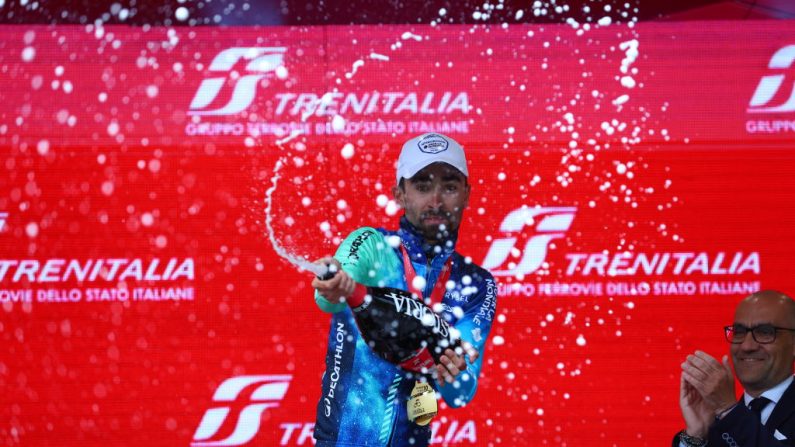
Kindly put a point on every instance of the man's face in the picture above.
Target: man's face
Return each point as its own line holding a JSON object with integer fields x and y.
{"x": 434, "y": 200}
{"x": 760, "y": 367}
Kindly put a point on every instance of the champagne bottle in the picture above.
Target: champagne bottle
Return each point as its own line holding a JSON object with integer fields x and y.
{"x": 400, "y": 328}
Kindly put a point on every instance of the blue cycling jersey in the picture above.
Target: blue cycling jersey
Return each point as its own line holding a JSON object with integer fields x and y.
{"x": 363, "y": 400}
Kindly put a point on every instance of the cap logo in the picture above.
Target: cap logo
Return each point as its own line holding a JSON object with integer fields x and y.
{"x": 433, "y": 144}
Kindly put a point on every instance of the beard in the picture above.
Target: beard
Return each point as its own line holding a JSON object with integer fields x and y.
{"x": 437, "y": 225}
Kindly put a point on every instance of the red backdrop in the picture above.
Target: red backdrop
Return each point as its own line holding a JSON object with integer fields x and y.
{"x": 630, "y": 185}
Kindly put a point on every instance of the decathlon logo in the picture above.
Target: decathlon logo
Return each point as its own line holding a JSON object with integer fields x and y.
{"x": 527, "y": 233}
{"x": 3, "y": 219}
{"x": 262, "y": 62}
{"x": 770, "y": 85}
{"x": 240, "y": 402}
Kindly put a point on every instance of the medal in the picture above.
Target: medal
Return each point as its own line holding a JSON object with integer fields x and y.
{"x": 422, "y": 406}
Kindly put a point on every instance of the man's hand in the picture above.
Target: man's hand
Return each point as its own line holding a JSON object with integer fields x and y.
{"x": 451, "y": 364}
{"x": 697, "y": 414}
{"x": 711, "y": 379}
{"x": 334, "y": 290}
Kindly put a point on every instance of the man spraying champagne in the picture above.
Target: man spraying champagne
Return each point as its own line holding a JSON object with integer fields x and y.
{"x": 367, "y": 398}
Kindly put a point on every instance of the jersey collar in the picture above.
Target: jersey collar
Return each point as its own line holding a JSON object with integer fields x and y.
{"x": 416, "y": 246}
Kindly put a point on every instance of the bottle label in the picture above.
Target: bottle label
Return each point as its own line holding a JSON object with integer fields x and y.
{"x": 421, "y": 362}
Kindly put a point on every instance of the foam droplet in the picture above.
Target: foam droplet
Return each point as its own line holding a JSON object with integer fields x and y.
{"x": 32, "y": 229}
{"x": 347, "y": 151}
{"x": 113, "y": 128}
{"x": 392, "y": 208}
{"x": 627, "y": 81}
{"x": 393, "y": 241}
{"x": 28, "y": 54}
{"x": 620, "y": 100}
{"x": 418, "y": 283}
{"x": 338, "y": 123}
{"x": 43, "y": 147}
{"x": 182, "y": 14}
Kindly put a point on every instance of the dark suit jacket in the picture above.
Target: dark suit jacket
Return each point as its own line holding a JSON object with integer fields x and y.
{"x": 741, "y": 428}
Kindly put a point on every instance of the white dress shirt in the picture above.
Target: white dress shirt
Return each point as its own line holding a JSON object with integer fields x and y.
{"x": 774, "y": 394}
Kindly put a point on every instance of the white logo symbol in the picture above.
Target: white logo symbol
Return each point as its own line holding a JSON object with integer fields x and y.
{"x": 265, "y": 392}
{"x": 265, "y": 61}
{"x": 3, "y": 219}
{"x": 550, "y": 223}
{"x": 432, "y": 144}
{"x": 476, "y": 334}
{"x": 769, "y": 85}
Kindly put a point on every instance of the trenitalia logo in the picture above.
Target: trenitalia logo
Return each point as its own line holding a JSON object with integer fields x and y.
{"x": 263, "y": 62}
{"x": 770, "y": 85}
{"x": 528, "y": 233}
{"x": 91, "y": 270}
{"x": 242, "y": 401}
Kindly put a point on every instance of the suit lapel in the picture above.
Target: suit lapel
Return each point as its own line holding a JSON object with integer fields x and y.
{"x": 783, "y": 409}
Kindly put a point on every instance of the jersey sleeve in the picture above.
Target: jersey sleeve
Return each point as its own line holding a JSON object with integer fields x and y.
{"x": 367, "y": 258}
{"x": 474, "y": 327}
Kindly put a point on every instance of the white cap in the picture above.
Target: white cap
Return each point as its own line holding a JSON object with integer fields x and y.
{"x": 428, "y": 148}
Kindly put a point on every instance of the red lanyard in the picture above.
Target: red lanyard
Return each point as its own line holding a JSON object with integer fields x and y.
{"x": 441, "y": 284}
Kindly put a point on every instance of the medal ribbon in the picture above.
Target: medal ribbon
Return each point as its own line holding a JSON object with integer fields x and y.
{"x": 441, "y": 283}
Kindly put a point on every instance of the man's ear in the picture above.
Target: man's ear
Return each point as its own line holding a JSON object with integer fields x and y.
{"x": 400, "y": 195}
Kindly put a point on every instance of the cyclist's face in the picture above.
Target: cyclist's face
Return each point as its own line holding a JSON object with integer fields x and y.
{"x": 434, "y": 200}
